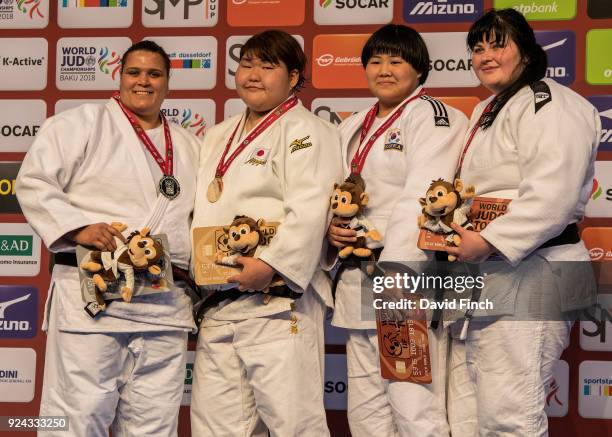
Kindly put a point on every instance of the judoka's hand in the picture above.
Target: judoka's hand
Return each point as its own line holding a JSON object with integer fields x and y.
{"x": 473, "y": 248}
{"x": 255, "y": 275}
{"x": 98, "y": 235}
{"x": 339, "y": 236}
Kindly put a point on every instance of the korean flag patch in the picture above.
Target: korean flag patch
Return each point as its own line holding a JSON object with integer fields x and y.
{"x": 393, "y": 140}
{"x": 259, "y": 156}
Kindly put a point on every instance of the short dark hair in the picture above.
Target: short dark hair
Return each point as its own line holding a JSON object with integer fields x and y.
{"x": 147, "y": 46}
{"x": 398, "y": 40}
{"x": 274, "y": 46}
{"x": 499, "y": 26}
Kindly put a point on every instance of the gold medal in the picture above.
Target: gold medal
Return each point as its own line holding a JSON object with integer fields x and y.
{"x": 215, "y": 188}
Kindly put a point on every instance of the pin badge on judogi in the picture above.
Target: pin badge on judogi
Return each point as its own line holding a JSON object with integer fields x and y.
{"x": 169, "y": 187}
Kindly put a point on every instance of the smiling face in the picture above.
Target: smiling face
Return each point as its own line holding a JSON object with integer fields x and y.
{"x": 144, "y": 86}
{"x": 391, "y": 79}
{"x": 261, "y": 85}
{"x": 496, "y": 65}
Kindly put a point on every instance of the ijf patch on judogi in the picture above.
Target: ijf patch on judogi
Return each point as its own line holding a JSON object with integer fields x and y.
{"x": 393, "y": 140}
{"x": 258, "y": 156}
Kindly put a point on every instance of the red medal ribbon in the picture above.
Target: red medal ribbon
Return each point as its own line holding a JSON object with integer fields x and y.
{"x": 165, "y": 165}
{"x": 274, "y": 115}
{"x": 360, "y": 156}
{"x": 471, "y": 137}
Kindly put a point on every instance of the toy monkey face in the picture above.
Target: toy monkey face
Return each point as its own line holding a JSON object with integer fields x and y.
{"x": 441, "y": 199}
{"x": 242, "y": 238}
{"x": 144, "y": 250}
{"x": 392, "y": 344}
{"x": 343, "y": 204}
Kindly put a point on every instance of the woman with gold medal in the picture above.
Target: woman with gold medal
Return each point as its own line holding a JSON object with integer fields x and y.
{"x": 260, "y": 365}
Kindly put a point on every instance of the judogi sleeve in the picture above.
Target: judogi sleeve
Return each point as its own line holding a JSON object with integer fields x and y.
{"x": 555, "y": 146}
{"x": 46, "y": 172}
{"x": 432, "y": 153}
{"x": 308, "y": 174}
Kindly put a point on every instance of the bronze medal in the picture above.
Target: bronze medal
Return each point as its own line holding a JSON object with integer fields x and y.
{"x": 215, "y": 188}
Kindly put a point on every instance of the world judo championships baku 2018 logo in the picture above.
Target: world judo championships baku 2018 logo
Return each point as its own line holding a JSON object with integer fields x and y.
{"x": 29, "y": 7}
{"x": 190, "y": 120}
{"x": 109, "y": 62}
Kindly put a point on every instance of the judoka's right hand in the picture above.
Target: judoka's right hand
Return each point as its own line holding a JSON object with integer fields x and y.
{"x": 337, "y": 235}
{"x": 98, "y": 235}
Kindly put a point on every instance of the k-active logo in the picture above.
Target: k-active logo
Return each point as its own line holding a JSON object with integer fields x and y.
{"x": 18, "y": 311}
{"x": 94, "y": 3}
{"x": 442, "y": 11}
{"x": 604, "y": 106}
{"x": 560, "y": 47}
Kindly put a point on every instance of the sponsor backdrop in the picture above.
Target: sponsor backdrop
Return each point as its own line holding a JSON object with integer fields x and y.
{"x": 57, "y": 54}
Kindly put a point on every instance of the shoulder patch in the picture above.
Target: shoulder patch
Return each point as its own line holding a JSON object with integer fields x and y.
{"x": 541, "y": 94}
{"x": 300, "y": 143}
{"x": 440, "y": 113}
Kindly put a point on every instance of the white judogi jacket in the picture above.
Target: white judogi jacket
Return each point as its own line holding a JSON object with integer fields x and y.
{"x": 87, "y": 166}
{"x": 396, "y": 177}
{"x": 539, "y": 152}
{"x": 279, "y": 181}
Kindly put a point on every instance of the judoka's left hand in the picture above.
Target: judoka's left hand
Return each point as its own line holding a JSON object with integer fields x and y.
{"x": 473, "y": 248}
{"x": 255, "y": 275}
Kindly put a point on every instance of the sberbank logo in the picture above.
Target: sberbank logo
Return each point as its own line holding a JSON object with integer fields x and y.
{"x": 541, "y": 9}
{"x": 599, "y": 57}
{"x": 16, "y": 245}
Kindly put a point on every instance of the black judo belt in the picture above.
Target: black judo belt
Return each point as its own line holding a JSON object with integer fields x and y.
{"x": 355, "y": 262}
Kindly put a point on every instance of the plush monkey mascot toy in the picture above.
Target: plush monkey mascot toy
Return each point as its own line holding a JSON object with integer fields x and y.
{"x": 348, "y": 200}
{"x": 243, "y": 237}
{"x": 140, "y": 252}
{"x": 443, "y": 204}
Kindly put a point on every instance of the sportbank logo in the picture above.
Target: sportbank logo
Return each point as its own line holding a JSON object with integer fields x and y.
{"x": 599, "y": 57}
{"x": 17, "y": 374}
{"x": 24, "y": 14}
{"x": 541, "y": 9}
{"x": 19, "y": 250}
{"x": 557, "y": 390}
{"x": 596, "y": 321}
{"x": 450, "y": 64}
{"x": 353, "y": 11}
{"x": 337, "y": 61}
{"x": 180, "y": 13}
{"x": 95, "y": 13}
{"x": 604, "y": 106}
{"x": 336, "y": 384}
{"x": 195, "y": 115}
{"x": 23, "y": 64}
{"x": 193, "y": 60}
{"x": 595, "y": 390}
{"x": 19, "y": 123}
{"x": 337, "y": 110}
{"x": 89, "y": 63}
{"x": 560, "y": 48}
{"x": 18, "y": 311}
{"x": 600, "y": 202}
{"x": 442, "y": 11}
{"x": 266, "y": 13}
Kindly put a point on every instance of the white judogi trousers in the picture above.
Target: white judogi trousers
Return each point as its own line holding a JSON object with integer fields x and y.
{"x": 498, "y": 375}
{"x": 382, "y": 408}
{"x": 255, "y": 375}
{"x": 130, "y": 381}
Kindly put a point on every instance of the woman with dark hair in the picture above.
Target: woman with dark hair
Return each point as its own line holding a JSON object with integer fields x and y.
{"x": 397, "y": 147}
{"x": 259, "y": 362}
{"x": 532, "y": 142}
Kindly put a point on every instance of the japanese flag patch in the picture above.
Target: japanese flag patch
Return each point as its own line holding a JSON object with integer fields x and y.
{"x": 259, "y": 156}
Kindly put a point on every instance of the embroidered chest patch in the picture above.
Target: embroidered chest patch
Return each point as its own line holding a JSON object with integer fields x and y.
{"x": 258, "y": 156}
{"x": 393, "y": 140}
{"x": 299, "y": 144}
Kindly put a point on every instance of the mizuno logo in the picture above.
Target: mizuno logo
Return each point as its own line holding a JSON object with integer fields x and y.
{"x": 539, "y": 97}
{"x": 5, "y": 305}
{"x": 554, "y": 44}
{"x": 441, "y": 8}
{"x": 607, "y": 113}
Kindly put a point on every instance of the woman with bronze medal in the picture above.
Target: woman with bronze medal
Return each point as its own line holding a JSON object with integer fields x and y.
{"x": 259, "y": 362}
{"x": 397, "y": 147}
{"x": 533, "y": 142}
